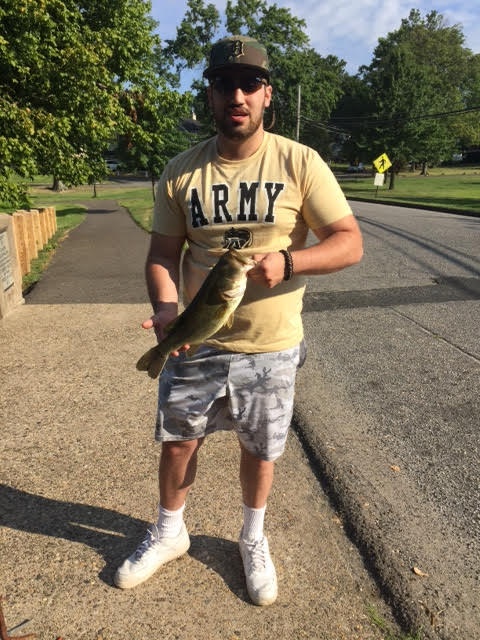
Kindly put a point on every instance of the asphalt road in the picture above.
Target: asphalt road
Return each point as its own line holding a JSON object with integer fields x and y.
{"x": 388, "y": 405}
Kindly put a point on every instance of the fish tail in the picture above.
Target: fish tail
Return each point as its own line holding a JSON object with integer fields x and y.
{"x": 153, "y": 361}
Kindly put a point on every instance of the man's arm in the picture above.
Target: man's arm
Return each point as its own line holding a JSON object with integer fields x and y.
{"x": 340, "y": 245}
{"x": 162, "y": 273}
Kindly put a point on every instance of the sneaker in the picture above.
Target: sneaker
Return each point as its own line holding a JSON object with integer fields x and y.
{"x": 150, "y": 555}
{"x": 259, "y": 571}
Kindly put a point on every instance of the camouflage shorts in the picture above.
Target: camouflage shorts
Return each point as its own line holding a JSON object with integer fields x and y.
{"x": 214, "y": 390}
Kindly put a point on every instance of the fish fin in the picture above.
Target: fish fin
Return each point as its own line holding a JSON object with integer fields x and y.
{"x": 156, "y": 367}
{"x": 144, "y": 362}
{"x": 152, "y": 361}
{"x": 229, "y": 322}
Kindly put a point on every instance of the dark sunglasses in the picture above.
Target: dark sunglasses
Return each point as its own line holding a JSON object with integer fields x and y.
{"x": 247, "y": 84}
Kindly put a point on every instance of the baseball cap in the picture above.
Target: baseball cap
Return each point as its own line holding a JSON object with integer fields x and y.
{"x": 239, "y": 52}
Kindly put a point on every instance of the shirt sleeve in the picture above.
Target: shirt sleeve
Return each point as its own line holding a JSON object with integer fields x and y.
{"x": 168, "y": 215}
{"x": 324, "y": 201}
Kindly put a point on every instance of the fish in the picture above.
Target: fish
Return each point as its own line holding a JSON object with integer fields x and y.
{"x": 210, "y": 309}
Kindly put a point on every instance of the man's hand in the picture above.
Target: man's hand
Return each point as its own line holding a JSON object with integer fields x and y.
{"x": 166, "y": 312}
{"x": 269, "y": 270}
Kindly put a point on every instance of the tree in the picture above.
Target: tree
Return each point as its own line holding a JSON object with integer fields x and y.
{"x": 194, "y": 36}
{"x": 63, "y": 66}
{"x": 467, "y": 126}
{"x": 153, "y": 134}
{"x": 416, "y": 80}
{"x": 348, "y": 124}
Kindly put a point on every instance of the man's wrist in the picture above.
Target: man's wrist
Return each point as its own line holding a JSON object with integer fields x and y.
{"x": 160, "y": 305}
{"x": 288, "y": 269}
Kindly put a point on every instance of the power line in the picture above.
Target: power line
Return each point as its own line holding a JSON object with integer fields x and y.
{"x": 375, "y": 120}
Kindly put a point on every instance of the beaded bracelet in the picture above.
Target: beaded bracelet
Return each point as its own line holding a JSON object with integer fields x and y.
{"x": 288, "y": 264}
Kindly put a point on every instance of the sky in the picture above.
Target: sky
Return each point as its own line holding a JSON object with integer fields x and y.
{"x": 346, "y": 29}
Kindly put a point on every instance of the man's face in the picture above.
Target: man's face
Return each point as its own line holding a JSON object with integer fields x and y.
{"x": 238, "y": 100}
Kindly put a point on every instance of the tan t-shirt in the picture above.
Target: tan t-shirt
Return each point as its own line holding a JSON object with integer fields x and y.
{"x": 276, "y": 195}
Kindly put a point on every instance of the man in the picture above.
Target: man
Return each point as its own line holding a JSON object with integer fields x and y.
{"x": 260, "y": 193}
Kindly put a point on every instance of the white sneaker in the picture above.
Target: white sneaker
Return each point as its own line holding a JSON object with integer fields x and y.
{"x": 259, "y": 571}
{"x": 150, "y": 555}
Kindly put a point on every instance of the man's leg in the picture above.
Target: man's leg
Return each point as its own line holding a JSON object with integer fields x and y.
{"x": 177, "y": 471}
{"x": 256, "y": 478}
{"x": 168, "y": 539}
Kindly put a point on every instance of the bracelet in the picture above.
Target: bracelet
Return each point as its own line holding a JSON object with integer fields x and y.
{"x": 288, "y": 273}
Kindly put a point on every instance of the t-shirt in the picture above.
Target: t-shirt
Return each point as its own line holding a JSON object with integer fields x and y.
{"x": 272, "y": 197}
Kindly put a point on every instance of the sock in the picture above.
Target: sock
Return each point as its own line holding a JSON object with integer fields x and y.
{"x": 253, "y": 523}
{"x": 169, "y": 523}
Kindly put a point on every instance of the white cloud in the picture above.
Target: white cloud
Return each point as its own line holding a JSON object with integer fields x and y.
{"x": 350, "y": 30}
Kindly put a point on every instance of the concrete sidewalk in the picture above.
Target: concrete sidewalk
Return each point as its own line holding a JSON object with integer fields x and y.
{"x": 78, "y": 480}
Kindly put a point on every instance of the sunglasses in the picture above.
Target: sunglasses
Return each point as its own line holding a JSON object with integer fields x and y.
{"x": 247, "y": 84}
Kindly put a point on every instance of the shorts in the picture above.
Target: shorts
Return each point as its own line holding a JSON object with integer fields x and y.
{"x": 213, "y": 390}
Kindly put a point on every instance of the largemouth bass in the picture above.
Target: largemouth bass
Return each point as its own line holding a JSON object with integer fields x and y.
{"x": 210, "y": 310}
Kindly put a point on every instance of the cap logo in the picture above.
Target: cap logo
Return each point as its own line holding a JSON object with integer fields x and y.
{"x": 236, "y": 50}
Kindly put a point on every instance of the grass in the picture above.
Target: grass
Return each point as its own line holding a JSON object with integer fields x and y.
{"x": 381, "y": 624}
{"x": 444, "y": 189}
{"x": 136, "y": 198}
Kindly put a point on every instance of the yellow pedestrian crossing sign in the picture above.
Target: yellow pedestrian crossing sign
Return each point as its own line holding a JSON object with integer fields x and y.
{"x": 382, "y": 163}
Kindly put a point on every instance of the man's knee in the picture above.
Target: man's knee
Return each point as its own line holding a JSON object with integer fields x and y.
{"x": 180, "y": 449}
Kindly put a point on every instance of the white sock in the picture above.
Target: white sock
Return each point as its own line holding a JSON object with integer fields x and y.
{"x": 253, "y": 523}
{"x": 169, "y": 523}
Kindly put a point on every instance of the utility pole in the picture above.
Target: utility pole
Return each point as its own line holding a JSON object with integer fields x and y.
{"x": 299, "y": 101}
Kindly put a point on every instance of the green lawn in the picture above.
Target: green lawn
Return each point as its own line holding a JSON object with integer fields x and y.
{"x": 442, "y": 189}
{"x": 137, "y": 199}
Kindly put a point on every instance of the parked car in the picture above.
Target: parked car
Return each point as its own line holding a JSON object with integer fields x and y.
{"x": 113, "y": 165}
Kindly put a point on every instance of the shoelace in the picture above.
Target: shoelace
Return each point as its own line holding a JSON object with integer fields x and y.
{"x": 257, "y": 555}
{"x": 150, "y": 538}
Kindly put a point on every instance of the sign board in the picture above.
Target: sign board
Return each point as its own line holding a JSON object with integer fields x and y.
{"x": 6, "y": 271}
{"x": 379, "y": 179}
{"x": 382, "y": 163}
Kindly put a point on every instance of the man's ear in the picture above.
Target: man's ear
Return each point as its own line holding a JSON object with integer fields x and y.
{"x": 209, "y": 95}
{"x": 268, "y": 95}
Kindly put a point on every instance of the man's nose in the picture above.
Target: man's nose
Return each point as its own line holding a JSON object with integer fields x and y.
{"x": 237, "y": 96}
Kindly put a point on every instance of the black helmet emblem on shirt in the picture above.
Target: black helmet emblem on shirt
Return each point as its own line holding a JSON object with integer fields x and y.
{"x": 237, "y": 238}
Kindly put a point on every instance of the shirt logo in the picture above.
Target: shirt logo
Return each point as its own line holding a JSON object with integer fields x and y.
{"x": 236, "y": 50}
{"x": 237, "y": 238}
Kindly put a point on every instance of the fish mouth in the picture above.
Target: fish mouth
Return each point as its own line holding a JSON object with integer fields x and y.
{"x": 246, "y": 260}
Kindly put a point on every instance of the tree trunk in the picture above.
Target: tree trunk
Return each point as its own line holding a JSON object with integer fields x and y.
{"x": 58, "y": 184}
{"x": 424, "y": 171}
{"x": 391, "y": 186}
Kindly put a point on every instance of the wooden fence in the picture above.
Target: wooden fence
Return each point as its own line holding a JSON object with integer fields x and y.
{"x": 22, "y": 236}
{"x": 32, "y": 229}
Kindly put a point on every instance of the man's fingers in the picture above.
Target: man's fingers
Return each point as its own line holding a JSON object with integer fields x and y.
{"x": 147, "y": 324}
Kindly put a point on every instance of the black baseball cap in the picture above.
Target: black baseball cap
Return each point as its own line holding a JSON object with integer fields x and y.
{"x": 237, "y": 52}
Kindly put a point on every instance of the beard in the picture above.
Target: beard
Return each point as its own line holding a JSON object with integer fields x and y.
{"x": 234, "y": 131}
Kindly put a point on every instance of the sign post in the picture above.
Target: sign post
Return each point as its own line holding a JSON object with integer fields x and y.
{"x": 381, "y": 164}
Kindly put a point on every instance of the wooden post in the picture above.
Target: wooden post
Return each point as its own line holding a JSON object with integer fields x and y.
{"x": 10, "y": 273}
